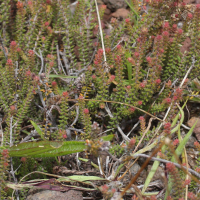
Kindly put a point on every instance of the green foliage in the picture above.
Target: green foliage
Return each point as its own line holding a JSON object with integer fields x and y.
{"x": 39, "y": 131}
{"x": 116, "y": 150}
{"x": 140, "y": 71}
{"x": 64, "y": 114}
{"x": 46, "y": 148}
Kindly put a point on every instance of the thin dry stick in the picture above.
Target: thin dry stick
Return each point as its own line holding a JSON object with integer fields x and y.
{"x": 189, "y": 70}
{"x": 101, "y": 33}
{"x": 75, "y": 100}
{"x": 127, "y": 169}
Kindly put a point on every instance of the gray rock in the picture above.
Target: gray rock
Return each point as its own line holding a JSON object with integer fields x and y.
{"x": 113, "y": 5}
{"x": 121, "y": 13}
{"x": 134, "y": 170}
{"x": 39, "y": 194}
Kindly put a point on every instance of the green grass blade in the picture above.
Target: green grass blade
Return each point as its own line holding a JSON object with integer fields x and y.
{"x": 133, "y": 10}
{"x": 46, "y": 148}
{"x": 68, "y": 147}
{"x": 37, "y": 128}
{"x": 182, "y": 144}
{"x": 81, "y": 178}
{"x": 150, "y": 175}
{"x": 177, "y": 116}
{"x": 129, "y": 66}
{"x": 30, "y": 148}
{"x": 60, "y": 76}
{"x": 118, "y": 169}
{"x": 108, "y": 137}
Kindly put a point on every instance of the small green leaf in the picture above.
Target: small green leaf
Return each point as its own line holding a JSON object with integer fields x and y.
{"x": 133, "y": 10}
{"x": 24, "y": 131}
{"x": 118, "y": 169}
{"x": 81, "y": 178}
{"x": 37, "y": 128}
{"x": 60, "y": 76}
{"x": 83, "y": 159}
{"x": 107, "y": 137}
{"x": 46, "y": 148}
{"x": 68, "y": 147}
{"x": 30, "y": 148}
{"x": 150, "y": 175}
{"x": 182, "y": 144}
{"x": 94, "y": 165}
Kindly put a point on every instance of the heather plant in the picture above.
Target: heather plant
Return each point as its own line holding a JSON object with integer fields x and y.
{"x": 64, "y": 79}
